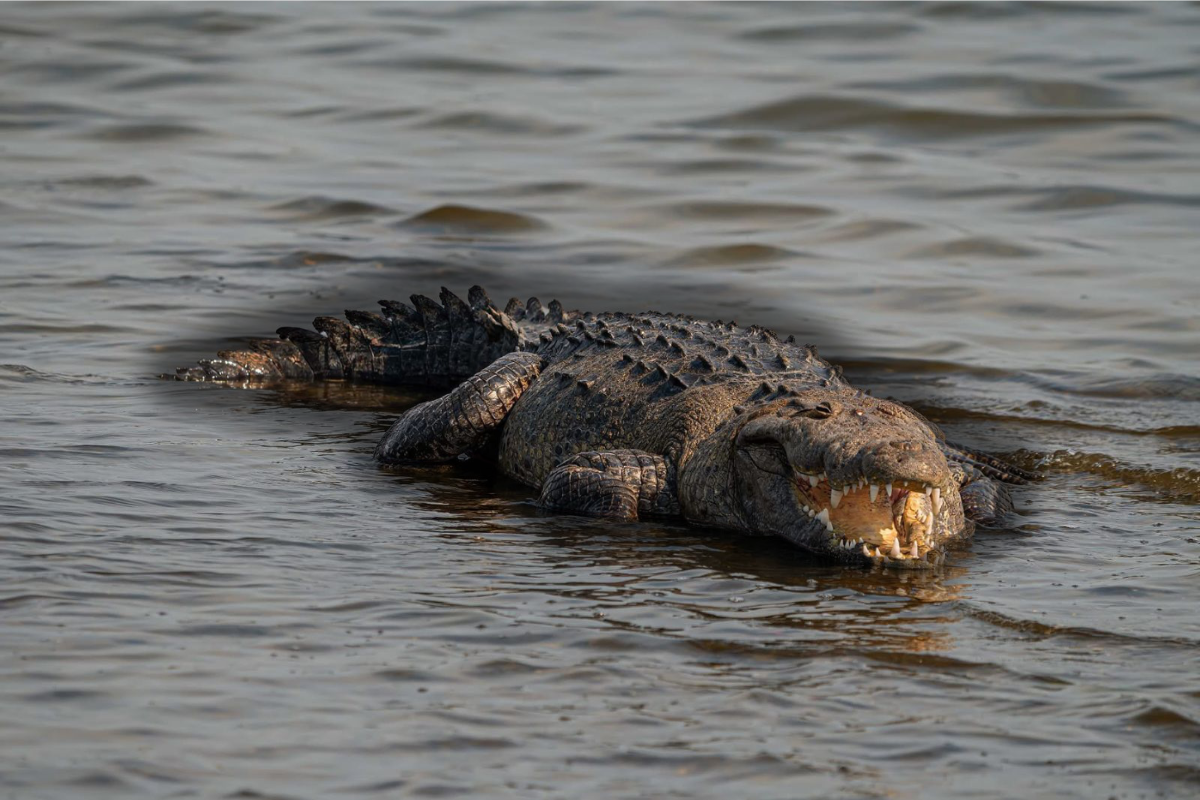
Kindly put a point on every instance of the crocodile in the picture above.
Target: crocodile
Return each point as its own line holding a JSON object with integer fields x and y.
{"x": 634, "y": 415}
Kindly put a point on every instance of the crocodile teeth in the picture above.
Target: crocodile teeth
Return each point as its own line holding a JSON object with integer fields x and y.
{"x": 866, "y": 551}
{"x": 874, "y": 491}
{"x": 937, "y": 500}
{"x": 877, "y": 553}
{"x": 813, "y": 480}
{"x": 824, "y": 517}
{"x": 915, "y": 552}
{"x": 928, "y": 490}
{"x": 888, "y": 491}
{"x": 896, "y": 548}
{"x": 835, "y": 497}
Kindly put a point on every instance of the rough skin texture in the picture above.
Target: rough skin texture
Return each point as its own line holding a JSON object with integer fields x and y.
{"x": 627, "y": 415}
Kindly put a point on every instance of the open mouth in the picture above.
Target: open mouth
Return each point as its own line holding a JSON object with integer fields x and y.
{"x": 891, "y": 522}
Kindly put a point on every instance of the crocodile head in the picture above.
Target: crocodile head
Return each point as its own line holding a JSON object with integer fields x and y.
{"x": 849, "y": 476}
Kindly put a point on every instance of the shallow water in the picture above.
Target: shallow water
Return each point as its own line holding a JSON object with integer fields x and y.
{"x": 987, "y": 210}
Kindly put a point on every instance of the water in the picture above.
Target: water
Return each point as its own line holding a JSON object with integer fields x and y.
{"x": 989, "y": 211}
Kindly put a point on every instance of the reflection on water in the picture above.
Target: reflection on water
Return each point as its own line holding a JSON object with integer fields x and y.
{"x": 987, "y": 210}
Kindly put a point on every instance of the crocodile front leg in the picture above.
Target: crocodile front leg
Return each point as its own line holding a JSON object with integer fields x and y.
{"x": 463, "y": 421}
{"x": 620, "y": 484}
{"x": 985, "y": 500}
{"x": 983, "y": 484}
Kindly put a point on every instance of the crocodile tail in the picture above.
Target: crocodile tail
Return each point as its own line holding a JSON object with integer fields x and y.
{"x": 428, "y": 343}
{"x": 988, "y": 465}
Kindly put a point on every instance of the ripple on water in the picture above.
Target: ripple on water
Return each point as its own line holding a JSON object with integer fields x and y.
{"x": 741, "y": 212}
{"x": 212, "y": 22}
{"x": 845, "y": 112}
{"x": 982, "y": 246}
{"x": 65, "y": 72}
{"x": 108, "y": 182}
{"x": 171, "y": 80}
{"x": 746, "y": 257}
{"x": 146, "y": 132}
{"x": 316, "y": 207}
{"x": 1033, "y": 92}
{"x": 431, "y": 63}
{"x": 459, "y": 219}
{"x": 1061, "y": 197}
{"x": 1076, "y": 198}
{"x": 842, "y": 32}
{"x": 1179, "y": 484}
{"x": 865, "y": 229}
{"x": 485, "y": 122}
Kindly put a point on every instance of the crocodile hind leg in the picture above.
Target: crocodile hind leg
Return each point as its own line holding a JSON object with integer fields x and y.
{"x": 620, "y": 484}
{"x": 464, "y": 421}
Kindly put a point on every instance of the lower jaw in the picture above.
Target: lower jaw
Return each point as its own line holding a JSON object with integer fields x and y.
{"x": 927, "y": 560}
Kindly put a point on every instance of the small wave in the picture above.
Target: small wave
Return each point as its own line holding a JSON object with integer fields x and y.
{"x": 866, "y": 229}
{"x": 456, "y": 219}
{"x": 1180, "y": 484}
{"x": 487, "y": 68}
{"x": 1157, "y": 716}
{"x": 1184, "y": 71}
{"x": 144, "y": 132}
{"x": 702, "y": 166}
{"x": 539, "y": 188}
{"x": 224, "y": 629}
{"x": 20, "y": 372}
{"x": 750, "y": 256}
{"x": 1038, "y": 93}
{"x": 487, "y": 122}
{"x": 969, "y": 9}
{"x": 371, "y": 115}
{"x": 1067, "y": 197}
{"x": 114, "y": 182}
{"x": 35, "y": 116}
{"x": 1043, "y": 630}
{"x": 43, "y": 327}
{"x": 169, "y": 80}
{"x": 981, "y": 246}
{"x": 316, "y": 207}
{"x": 298, "y": 259}
{"x": 205, "y": 21}
{"x": 46, "y": 109}
{"x": 851, "y": 32}
{"x": 15, "y": 30}
{"x": 746, "y": 212}
{"x": 1072, "y": 198}
{"x": 66, "y": 71}
{"x": 833, "y": 112}
{"x": 466, "y": 66}
{"x": 1152, "y": 387}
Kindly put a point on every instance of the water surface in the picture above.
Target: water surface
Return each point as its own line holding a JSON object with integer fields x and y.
{"x": 989, "y": 211}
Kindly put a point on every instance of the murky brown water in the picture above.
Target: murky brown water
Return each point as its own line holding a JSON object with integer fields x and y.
{"x": 988, "y": 210}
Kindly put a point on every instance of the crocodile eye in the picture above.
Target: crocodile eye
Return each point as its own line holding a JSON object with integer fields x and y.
{"x": 820, "y": 411}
